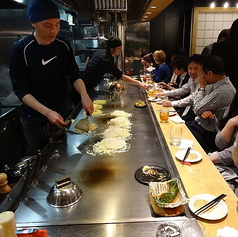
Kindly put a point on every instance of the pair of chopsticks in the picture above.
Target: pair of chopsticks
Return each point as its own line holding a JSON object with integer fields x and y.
{"x": 186, "y": 154}
{"x": 209, "y": 204}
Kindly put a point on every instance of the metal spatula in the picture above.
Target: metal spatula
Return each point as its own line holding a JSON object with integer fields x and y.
{"x": 83, "y": 124}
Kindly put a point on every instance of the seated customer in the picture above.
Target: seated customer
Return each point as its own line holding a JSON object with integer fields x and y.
{"x": 226, "y": 137}
{"x": 179, "y": 66}
{"x": 163, "y": 71}
{"x": 194, "y": 70}
{"x": 176, "y": 52}
{"x": 217, "y": 101}
{"x": 148, "y": 61}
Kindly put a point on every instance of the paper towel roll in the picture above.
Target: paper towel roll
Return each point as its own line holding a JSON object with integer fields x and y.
{"x": 8, "y": 223}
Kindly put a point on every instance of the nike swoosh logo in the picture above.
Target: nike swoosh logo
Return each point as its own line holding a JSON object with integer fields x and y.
{"x": 47, "y": 61}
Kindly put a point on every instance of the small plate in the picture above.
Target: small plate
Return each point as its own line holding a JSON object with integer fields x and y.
{"x": 194, "y": 156}
{"x": 146, "y": 178}
{"x": 159, "y": 101}
{"x": 152, "y": 99}
{"x": 138, "y": 105}
{"x": 217, "y": 212}
{"x": 172, "y": 113}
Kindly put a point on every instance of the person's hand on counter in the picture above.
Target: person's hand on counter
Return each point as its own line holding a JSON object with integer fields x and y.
{"x": 214, "y": 157}
{"x": 157, "y": 95}
{"x": 168, "y": 86}
{"x": 166, "y": 103}
{"x": 208, "y": 115}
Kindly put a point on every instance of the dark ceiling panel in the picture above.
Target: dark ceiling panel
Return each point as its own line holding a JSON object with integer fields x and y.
{"x": 87, "y": 9}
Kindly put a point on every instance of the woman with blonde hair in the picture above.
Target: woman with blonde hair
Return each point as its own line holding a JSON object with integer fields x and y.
{"x": 163, "y": 71}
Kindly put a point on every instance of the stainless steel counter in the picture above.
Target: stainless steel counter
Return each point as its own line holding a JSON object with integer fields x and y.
{"x": 113, "y": 200}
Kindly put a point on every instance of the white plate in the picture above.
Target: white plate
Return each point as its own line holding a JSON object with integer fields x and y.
{"x": 159, "y": 101}
{"x": 181, "y": 153}
{"x": 151, "y": 99}
{"x": 172, "y": 113}
{"x": 219, "y": 211}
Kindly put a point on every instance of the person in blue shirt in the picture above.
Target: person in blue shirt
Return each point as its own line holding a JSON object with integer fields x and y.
{"x": 163, "y": 71}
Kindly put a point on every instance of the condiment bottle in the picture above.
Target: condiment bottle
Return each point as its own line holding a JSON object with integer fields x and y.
{"x": 8, "y": 223}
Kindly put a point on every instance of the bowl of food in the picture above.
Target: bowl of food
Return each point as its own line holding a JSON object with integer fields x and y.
{"x": 167, "y": 198}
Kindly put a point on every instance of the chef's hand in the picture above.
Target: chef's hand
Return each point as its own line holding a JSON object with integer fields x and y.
{"x": 142, "y": 85}
{"x": 55, "y": 118}
{"x": 208, "y": 115}
{"x": 166, "y": 103}
{"x": 87, "y": 105}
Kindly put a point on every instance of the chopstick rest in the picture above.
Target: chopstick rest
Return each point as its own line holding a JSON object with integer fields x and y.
{"x": 185, "y": 163}
{"x": 209, "y": 204}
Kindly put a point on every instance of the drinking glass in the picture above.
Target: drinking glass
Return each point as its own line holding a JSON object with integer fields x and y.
{"x": 175, "y": 135}
{"x": 150, "y": 91}
{"x": 164, "y": 116}
{"x": 192, "y": 228}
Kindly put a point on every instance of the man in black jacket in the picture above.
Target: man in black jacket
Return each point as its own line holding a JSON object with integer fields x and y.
{"x": 103, "y": 62}
{"x": 227, "y": 50}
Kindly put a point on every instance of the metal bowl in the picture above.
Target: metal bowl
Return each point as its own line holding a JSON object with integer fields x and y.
{"x": 64, "y": 193}
{"x": 116, "y": 87}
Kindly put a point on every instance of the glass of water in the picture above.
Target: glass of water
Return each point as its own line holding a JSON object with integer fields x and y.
{"x": 192, "y": 228}
{"x": 175, "y": 135}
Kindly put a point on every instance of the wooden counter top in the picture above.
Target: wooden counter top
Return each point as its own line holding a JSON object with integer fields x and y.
{"x": 201, "y": 177}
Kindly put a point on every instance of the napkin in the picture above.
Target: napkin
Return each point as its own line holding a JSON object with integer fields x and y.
{"x": 177, "y": 119}
{"x": 227, "y": 232}
{"x": 184, "y": 144}
{"x": 149, "y": 69}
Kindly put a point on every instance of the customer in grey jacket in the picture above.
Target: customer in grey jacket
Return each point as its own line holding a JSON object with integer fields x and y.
{"x": 217, "y": 102}
{"x": 226, "y": 137}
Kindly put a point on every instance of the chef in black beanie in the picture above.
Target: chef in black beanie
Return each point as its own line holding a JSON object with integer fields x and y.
{"x": 103, "y": 62}
{"x": 40, "y": 10}
{"x": 113, "y": 42}
{"x": 42, "y": 66}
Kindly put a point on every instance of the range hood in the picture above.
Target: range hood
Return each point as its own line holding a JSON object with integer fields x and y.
{"x": 130, "y": 10}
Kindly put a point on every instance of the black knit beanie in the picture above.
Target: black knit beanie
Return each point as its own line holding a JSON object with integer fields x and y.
{"x": 113, "y": 42}
{"x": 40, "y": 10}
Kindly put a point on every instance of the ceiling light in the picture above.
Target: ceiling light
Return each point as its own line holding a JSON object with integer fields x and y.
{"x": 20, "y": 1}
{"x": 145, "y": 16}
{"x": 148, "y": 13}
{"x": 237, "y": 5}
{"x": 226, "y": 5}
{"x": 212, "y": 5}
{"x": 153, "y": 7}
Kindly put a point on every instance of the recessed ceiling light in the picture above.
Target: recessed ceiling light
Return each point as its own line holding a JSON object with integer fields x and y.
{"x": 20, "y": 1}
{"x": 153, "y": 7}
{"x": 212, "y": 5}
{"x": 148, "y": 13}
{"x": 237, "y": 5}
{"x": 226, "y": 5}
{"x": 145, "y": 16}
